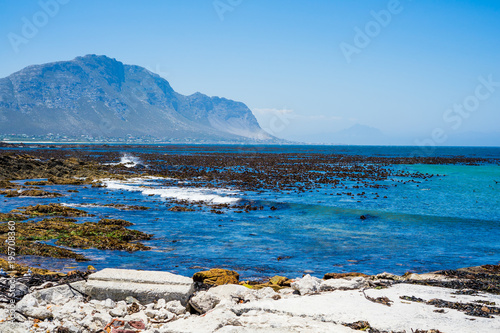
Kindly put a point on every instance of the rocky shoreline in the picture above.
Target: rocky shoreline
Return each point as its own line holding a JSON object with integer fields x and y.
{"x": 39, "y": 300}
{"x": 128, "y": 301}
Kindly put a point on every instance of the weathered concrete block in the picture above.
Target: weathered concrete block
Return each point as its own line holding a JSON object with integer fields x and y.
{"x": 146, "y": 286}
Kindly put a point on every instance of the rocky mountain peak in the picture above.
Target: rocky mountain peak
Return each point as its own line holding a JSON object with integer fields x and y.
{"x": 99, "y": 96}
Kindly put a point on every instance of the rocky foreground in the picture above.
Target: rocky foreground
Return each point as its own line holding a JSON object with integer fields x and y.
{"x": 129, "y": 301}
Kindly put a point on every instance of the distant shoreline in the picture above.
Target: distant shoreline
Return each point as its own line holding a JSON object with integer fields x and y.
{"x": 220, "y": 144}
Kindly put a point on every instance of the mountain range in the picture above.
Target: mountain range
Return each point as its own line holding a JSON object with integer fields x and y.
{"x": 100, "y": 97}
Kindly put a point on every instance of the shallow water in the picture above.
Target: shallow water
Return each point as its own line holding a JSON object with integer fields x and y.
{"x": 444, "y": 222}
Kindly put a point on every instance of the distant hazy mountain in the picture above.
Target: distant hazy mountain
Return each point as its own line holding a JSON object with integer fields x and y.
{"x": 360, "y": 134}
{"x": 101, "y": 97}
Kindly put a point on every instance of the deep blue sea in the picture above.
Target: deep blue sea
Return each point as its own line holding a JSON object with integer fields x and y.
{"x": 443, "y": 222}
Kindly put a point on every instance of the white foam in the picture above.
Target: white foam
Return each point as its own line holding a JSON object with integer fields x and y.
{"x": 128, "y": 160}
{"x": 214, "y": 196}
{"x": 78, "y": 205}
{"x": 145, "y": 180}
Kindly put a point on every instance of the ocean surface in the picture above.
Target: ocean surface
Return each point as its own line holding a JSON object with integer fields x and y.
{"x": 443, "y": 222}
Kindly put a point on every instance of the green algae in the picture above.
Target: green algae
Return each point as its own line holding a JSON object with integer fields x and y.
{"x": 107, "y": 234}
{"x": 50, "y": 209}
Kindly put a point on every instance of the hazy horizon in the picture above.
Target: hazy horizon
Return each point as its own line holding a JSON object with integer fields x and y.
{"x": 384, "y": 72}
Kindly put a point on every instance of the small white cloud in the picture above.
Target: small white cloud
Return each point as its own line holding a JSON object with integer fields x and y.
{"x": 273, "y": 111}
{"x": 319, "y": 117}
{"x": 291, "y": 113}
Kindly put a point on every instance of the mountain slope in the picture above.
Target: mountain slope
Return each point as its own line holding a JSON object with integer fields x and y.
{"x": 101, "y": 97}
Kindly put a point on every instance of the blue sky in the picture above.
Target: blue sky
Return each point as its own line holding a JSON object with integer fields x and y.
{"x": 285, "y": 59}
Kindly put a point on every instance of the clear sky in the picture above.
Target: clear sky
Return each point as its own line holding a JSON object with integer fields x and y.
{"x": 415, "y": 70}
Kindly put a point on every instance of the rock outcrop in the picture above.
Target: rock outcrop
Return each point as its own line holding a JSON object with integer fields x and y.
{"x": 217, "y": 276}
{"x": 100, "y": 97}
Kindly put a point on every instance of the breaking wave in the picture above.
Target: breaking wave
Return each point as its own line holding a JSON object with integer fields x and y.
{"x": 129, "y": 161}
{"x": 213, "y": 196}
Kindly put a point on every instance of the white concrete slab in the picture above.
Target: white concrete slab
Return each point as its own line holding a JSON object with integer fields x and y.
{"x": 145, "y": 286}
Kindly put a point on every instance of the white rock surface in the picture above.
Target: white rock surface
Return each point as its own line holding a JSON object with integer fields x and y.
{"x": 204, "y": 301}
{"x": 265, "y": 310}
{"x": 343, "y": 284}
{"x": 28, "y": 301}
{"x": 427, "y": 277}
{"x": 29, "y": 306}
{"x": 165, "y": 315}
{"x": 350, "y": 306}
{"x": 175, "y": 307}
{"x": 307, "y": 285}
{"x": 12, "y": 327}
{"x": 160, "y": 304}
{"x": 210, "y": 322}
{"x": 118, "y": 311}
{"x": 230, "y": 293}
{"x": 109, "y": 303}
{"x": 266, "y": 293}
{"x": 388, "y": 276}
{"x": 59, "y": 294}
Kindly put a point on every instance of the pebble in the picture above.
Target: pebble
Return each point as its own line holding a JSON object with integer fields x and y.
{"x": 118, "y": 311}
{"x": 175, "y": 307}
{"x": 204, "y": 301}
{"x": 160, "y": 304}
{"x": 131, "y": 300}
{"x": 109, "y": 303}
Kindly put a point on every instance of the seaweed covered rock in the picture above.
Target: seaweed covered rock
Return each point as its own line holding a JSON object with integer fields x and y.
{"x": 69, "y": 181}
{"x": 280, "y": 281}
{"x": 31, "y": 193}
{"x": 61, "y": 181}
{"x": 105, "y": 237}
{"x": 110, "y": 235}
{"x": 5, "y": 184}
{"x": 63, "y": 171}
{"x": 24, "y": 247}
{"x": 22, "y": 269}
{"x": 4, "y": 217}
{"x": 276, "y": 283}
{"x": 51, "y": 209}
{"x": 217, "y": 276}
{"x": 180, "y": 209}
{"x": 126, "y": 207}
{"x": 118, "y": 222}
